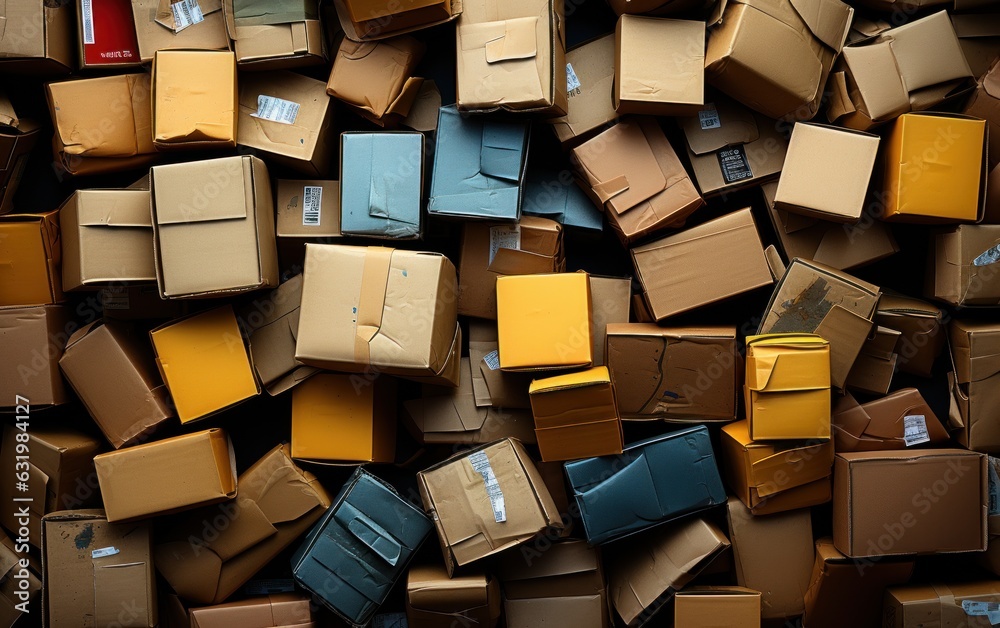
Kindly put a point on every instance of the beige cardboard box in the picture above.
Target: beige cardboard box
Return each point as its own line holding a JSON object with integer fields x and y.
{"x": 30, "y": 256}
{"x": 975, "y": 355}
{"x": 375, "y": 79}
{"x": 154, "y": 28}
{"x": 365, "y": 20}
{"x": 277, "y": 41}
{"x": 194, "y": 99}
{"x": 43, "y": 44}
{"x": 291, "y": 610}
{"x": 307, "y": 209}
{"x": 32, "y": 341}
{"x": 659, "y": 66}
{"x": 964, "y": 270}
{"x": 610, "y": 303}
{"x": 590, "y": 106}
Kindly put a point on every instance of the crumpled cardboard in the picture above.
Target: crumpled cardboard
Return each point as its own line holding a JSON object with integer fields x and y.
{"x": 375, "y": 79}
{"x": 194, "y": 99}
{"x": 921, "y": 325}
{"x": 897, "y": 421}
{"x": 154, "y": 28}
{"x": 434, "y": 600}
{"x": 372, "y": 20}
{"x": 552, "y": 194}
{"x": 975, "y": 383}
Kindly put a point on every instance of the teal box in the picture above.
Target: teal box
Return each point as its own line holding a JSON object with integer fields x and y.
{"x": 381, "y": 185}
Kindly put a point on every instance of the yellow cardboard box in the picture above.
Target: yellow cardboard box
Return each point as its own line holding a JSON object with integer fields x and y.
{"x": 194, "y": 99}
{"x": 576, "y": 416}
{"x": 29, "y": 259}
{"x": 787, "y": 389}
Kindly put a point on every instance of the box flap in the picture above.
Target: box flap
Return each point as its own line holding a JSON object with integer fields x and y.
{"x": 829, "y": 20}
{"x": 174, "y": 202}
{"x": 114, "y": 208}
{"x": 621, "y": 167}
{"x": 736, "y": 125}
{"x": 502, "y": 151}
{"x": 927, "y": 52}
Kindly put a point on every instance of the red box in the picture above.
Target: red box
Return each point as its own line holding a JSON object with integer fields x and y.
{"x": 107, "y": 33}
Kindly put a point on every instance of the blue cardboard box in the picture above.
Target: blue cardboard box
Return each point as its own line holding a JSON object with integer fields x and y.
{"x": 554, "y": 195}
{"x": 381, "y": 184}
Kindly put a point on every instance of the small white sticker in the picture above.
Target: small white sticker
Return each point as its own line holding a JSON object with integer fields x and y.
{"x": 87, "y": 8}
{"x": 390, "y": 620}
{"x": 915, "y": 430}
{"x": 312, "y": 200}
{"x": 994, "y": 484}
{"x": 115, "y": 299}
{"x": 492, "y": 359}
{"x": 481, "y": 464}
{"x": 709, "y": 118}
{"x": 104, "y": 551}
{"x": 186, "y": 13}
{"x": 276, "y": 109}
{"x": 989, "y": 256}
{"x": 572, "y": 81}
{"x": 989, "y": 610}
{"x": 504, "y": 237}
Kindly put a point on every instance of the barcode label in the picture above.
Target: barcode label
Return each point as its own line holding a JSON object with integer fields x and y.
{"x": 481, "y": 464}
{"x": 104, "y": 551}
{"x": 709, "y": 118}
{"x": 276, "y": 109}
{"x": 504, "y": 237}
{"x": 87, "y": 8}
{"x": 572, "y": 81}
{"x": 312, "y": 200}
{"x": 492, "y": 359}
{"x": 114, "y": 299}
{"x": 186, "y": 13}
{"x": 915, "y": 430}
{"x": 989, "y": 256}
{"x": 989, "y": 610}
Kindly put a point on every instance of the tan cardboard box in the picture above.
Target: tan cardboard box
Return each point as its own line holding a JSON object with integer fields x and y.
{"x": 32, "y": 341}
{"x": 659, "y": 66}
{"x": 589, "y": 84}
{"x": 375, "y": 79}
{"x": 610, "y": 303}
{"x": 307, "y": 209}
{"x": 897, "y": 421}
{"x": 985, "y": 105}
{"x": 876, "y": 364}
{"x": 705, "y": 607}
{"x": 277, "y": 610}
{"x": 44, "y": 45}
{"x": 490, "y": 385}
{"x": 975, "y": 356}
{"x": 364, "y": 20}
{"x": 692, "y": 268}
{"x": 964, "y": 270}
{"x": 431, "y": 596}
{"x": 154, "y": 28}
{"x": 952, "y": 605}
{"x": 576, "y": 416}
{"x": 280, "y": 43}
{"x": 194, "y": 99}
{"x": 921, "y": 325}
{"x": 30, "y": 256}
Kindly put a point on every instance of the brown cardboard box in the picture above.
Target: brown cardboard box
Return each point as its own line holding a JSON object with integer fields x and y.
{"x": 154, "y": 28}
{"x": 364, "y": 20}
{"x": 60, "y": 474}
{"x": 590, "y": 106}
{"x": 375, "y": 79}
{"x": 213, "y": 228}
{"x": 30, "y": 256}
{"x": 194, "y": 99}
{"x": 773, "y": 555}
{"x": 405, "y": 323}
{"x": 433, "y": 600}
{"x": 113, "y": 372}
{"x": 576, "y": 416}
{"x": 298, "y": 137}
{"x": 848, "y": 592}
{"x": 277, "y": 503}
{"x": 610, "y": 302}
{"x": 731, "y": 146}
{"x": 826, "y": 172}
{"x": 490, "y": 385}
{"x": 815, "y": 299}
{"x": 775, "y": 55}
{"x": 975, "y": 355}
{"x": 562, "y": 585}
{"x": 646, "y": 569}
{"x": 98, "y": 570}
{"x": 929, "y": 501}
{"x": 684, "y": 271}
{"x": 633, "y": 173}
{"x": 107, "y": 237}
{"x": 707, "y": 607}
{"x": 32, "y": 341}
{"x": 772, "y": 477}
{"x": 307, "y": 209}
{"x": 676, "y": 374}
{"x": 503, "y": 503}
{"x": 912, "y": 67}
{"x": 659, "y": 66}
{"x": 295, "y": 42}
{"x": 897, "y": 421}
{"x": 168, "y": 475}
{"x": 876, "y": 364}
{"x": 953, "y": 605}
{"x": 17, "y": 138}
{"x": 17, "y": 600}
{"x": 985, "y": 104}
{"x": 511, "y": 56}
{"x": 964, "y": 270}
{"x": 921, "y": 327}
{"x": 279, "y": 610}
{"x": 40, "y": 39}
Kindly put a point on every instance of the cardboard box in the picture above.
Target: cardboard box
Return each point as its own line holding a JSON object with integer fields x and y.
{"x": 381, "y": 187}
{"x": 963, "y": 272}
{"x": 985, "y": 105}
{"x": 897, "y": 421}
{"x": 914, "y": 515}
{"x": 632, "y": 172}
{"x": 31, "y": 341}
{"x": 706, "y": 607}
{"x": 307, "y": 209}
{"x": 353, "y": 556}
{"x": 45, "y": 42}
{"x": 921, "y": 326}
{"x": 610, "y": 303}
{"x": 680, "y": 374}
{"x": 451, "y": 415}
{"x": 30, "y": 256}
{"x": 107, "y": 237}
{"x": 17, "y": 139}
{"x": 279, "y": 610}
{"x": 544, "y": 321}
{"x": 773, "y": 555}
{"x": 277, "y": 503}
{"x": 213, "y": 228}
{"x": 590, "y": 106}
{"x": 682, "y": 272}
{"x": 519, "y": 46}
{"x": 912, "y": 67}
{"x": 873, "y": 369}
{"x": 364, "y": 20}
{"x": 60, "y": 474}
{"x": 645, "y": 571}
{"x": 194, "y": 99}
{"x": 991, "y": 213}
{"x": 15, "y": 600}
{"x": 954, "y": 605}
{"x": 490, "y": 385}
{"x": 563, "y": 584}
{"x": 826, "y": 172}
{"x": 113, "y": 372}
{"x": 154, "y": 28}
{"x": 576, "y": 416}
{"x": 552, "y": 194}
{"x": 975, "y": 348}
{"x": 96, "y": 569}
{"x": 621, "y": 495}
{"x": 344, "y": 419}
{"x": 787, "y": 390}
{"x": 815, "y": 299}
{"x": 275, "y": 37}
{"x": 287, "y": 118}
{"x": 204, "y": 347}
{"x": 509, "y": 507}
{"x": 842, "y": 246}
{"x": 772, "y": 477}
{"x": 106, "y": 35}
{"x": 432, "y": 599}
{"x": 167, "y": 476}
{"x": 406, "y": 323}
{"x": 375, "y": 79}
{"x": 784, "y": 77}
{"x": 845, "y": 591}
{"x": 479, "y": 166}
{"x": 491, "y": 250}
{"x": 659, "y": 66}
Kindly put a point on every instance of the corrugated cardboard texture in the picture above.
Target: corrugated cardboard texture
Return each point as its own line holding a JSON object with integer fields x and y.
{"x": 381, "y": 187}
{"x": 659, "y": 66}
{"x": 376, "y": 78}
{"x": 194, "y": 99}
{"x": 879, "y": 424}
{"x": 938, "y": 604}
{"x": 30, "y": 256}
{"x": 576, "y": 416}
{"x": 468, "y": 599}
{"x": 590, "y": 105}
{"x": 154, "y": 23}
{"x": 975, "y": 349}
{"x": 964, "y": 271}
{"x": 709, "y": 607}
{"x": 295, "y": 220}
{"x": 280, "y": 610}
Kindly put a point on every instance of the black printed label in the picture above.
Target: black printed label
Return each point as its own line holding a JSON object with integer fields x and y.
{"x": 734, "y": 163}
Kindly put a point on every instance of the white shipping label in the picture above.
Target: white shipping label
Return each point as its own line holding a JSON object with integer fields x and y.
{"x": 709, "y": 118}
{"x": 87, "y": 12}
{"x": 989, "y": 610}
{"x": 915, "y": 430}
{"x": 492, "y": 360}
{"x": 481, "y": 464}
{"x": 104, "y": 551}
{"x": 572, "y": 81}
{"x": 989, "y": 256}
{"x": 504, "y": 237}
{"x": 276, "y": 109}
{"x": 186, "y": 13}
{"x": 994, "y": 484}
{"x": 312, "y": 200}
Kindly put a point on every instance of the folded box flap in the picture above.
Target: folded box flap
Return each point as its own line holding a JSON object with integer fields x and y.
{"x": 369, "y": 533}
{"x": 851, "y": 416}
{"x": 514, "y": 262}
{"x": 927, "y": 52}
{"x": 623, "y": 168}
{"x": 114, "y": 213}
{"x": 502, "y": 40}
{"x": 502, "y": 152}
{"x": 287, "y": 495}
{"x": 192, "y": 569}
{"x": 829, "y": 20}
{"x": 737, "y": 125}
{"x": 244, "y": 531}
{"x": 873, "y": 69}
{"x": 183, "y": 213}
